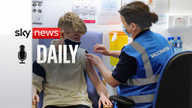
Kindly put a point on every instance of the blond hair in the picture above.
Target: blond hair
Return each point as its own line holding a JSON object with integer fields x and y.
{"x": 70, "y": 22}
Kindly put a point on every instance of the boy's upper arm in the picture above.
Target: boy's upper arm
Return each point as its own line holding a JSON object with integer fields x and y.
{"x": 37, "y": 82}
{"x": 82, "y": 57}
{"x": 93, "y": 76}
{"x": 38, "y": 76}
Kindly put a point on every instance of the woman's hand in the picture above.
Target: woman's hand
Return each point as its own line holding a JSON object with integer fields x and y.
{"x": 104, "y": 100}
{"x": 95, "y": 60}
{"x": 98, "y": 48}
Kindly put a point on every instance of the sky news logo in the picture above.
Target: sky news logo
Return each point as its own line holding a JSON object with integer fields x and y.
{"x": 39, "y": 33}
{"x": 48, "y": 56}
{"x": 46, "y": 33}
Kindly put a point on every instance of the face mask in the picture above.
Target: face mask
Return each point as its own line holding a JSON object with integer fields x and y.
{"x": 124, "y": 30}
{"x": 71, "y": 42}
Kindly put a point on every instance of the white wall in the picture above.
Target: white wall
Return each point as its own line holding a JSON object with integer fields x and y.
{"x": 182, "y": 6}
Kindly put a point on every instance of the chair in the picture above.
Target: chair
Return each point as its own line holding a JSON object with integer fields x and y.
{"x": 88, "y": 41}
{"x": 174, "y": 88}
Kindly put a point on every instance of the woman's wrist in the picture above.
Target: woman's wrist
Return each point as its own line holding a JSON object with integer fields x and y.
{"x": 100, "y": 65}
{"x": 108, "y": 53}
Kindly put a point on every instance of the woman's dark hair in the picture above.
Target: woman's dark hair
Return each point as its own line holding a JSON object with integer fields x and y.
{"x": 139, "y": 13}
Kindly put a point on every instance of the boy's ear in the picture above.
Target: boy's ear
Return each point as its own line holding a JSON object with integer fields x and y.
{"x": 62, "y": 34}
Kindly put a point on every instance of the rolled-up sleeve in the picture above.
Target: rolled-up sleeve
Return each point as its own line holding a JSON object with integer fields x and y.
{"x": 125, "y": 68}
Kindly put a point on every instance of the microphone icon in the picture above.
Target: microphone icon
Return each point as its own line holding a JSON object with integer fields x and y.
{"x": 22, "y": 55}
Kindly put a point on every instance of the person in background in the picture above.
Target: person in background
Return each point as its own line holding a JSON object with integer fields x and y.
{"x": 64, "y": 84}
{"x": 141, "y": 61}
